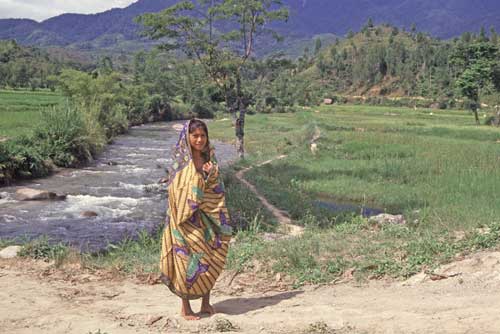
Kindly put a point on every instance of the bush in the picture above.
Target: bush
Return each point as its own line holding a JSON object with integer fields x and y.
{"x": 271, "y": 101}
{"x": 251, "y": 110}
{"x": 203, "y": 111}
{"x": 61, "y": 136}
{"x": 492, "y": 120}
{"x": 181, "y": 111}
{"x": 443, "y": 105}
{"x": 42, "y": 249}
{"x": 66, "y": 137}
{"x": 23, "y": 159}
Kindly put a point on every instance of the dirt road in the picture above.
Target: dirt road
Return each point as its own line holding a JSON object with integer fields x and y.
{"x": 463, "y": 298}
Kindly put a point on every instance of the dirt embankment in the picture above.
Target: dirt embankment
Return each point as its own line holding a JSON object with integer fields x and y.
{"x": 462, "y": 297}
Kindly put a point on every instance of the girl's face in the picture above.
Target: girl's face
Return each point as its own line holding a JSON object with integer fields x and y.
{"x": 198, "y": 139}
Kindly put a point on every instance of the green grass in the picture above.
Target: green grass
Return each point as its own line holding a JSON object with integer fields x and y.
{"x": 436, "y": 167}
{"x": 445, "y": 166}
{"x": 20, "y": 110}
{"x": 439, "y": 170}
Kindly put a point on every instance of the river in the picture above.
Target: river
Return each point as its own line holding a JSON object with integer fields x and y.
{"x": 121, "y": 187}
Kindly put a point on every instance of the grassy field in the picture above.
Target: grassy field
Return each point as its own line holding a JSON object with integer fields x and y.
{"x": 20, "y": 109}
{"x": 435, "y": 167}
{"x": 399, "y": 160}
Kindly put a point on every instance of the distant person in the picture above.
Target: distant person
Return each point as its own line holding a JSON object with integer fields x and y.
{"x": 197, "y": 232}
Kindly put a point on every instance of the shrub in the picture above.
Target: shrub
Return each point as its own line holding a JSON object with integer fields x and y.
{"x": 203, "y": 110}
{"x": 24, "y": 159}
{"x": 443, "y": 105}
{"x": 181, "y": 111}
{"x": 66, "y": 136}
{"x": 42, "y": 249}
{"x": 61, "y": 136}
{"x": 271, "y": 101}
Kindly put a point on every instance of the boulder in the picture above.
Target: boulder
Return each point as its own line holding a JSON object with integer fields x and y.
{"x": 10, "y": 252}
{"x": 178, "y": 127}
{"x": 88, "y": 214}
{"x": 385, "y": 218}
{"x": 28, "y": 194}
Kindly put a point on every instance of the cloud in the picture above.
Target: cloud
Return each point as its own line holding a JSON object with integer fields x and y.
{"x": 43, "y": 9}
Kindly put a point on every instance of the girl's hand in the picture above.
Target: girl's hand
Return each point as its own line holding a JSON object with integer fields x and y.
{"x": 207, "y": 167}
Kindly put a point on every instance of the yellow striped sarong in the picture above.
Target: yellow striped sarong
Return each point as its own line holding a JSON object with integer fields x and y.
{"x": 197, "y": 234}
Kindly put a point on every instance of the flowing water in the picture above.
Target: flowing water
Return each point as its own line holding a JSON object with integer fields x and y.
{"x": 121, "y": 187}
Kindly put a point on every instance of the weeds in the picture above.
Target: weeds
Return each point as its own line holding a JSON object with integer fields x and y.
{"x": 44, "y": 250}
{"x": 130, "y": 256}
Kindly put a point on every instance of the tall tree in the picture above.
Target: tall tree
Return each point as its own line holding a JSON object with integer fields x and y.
{"x": 493, "y": 35}
{"x": 221, "y": 36}
{"x": 477, "y": 64}
{"x": 317, "y": 46}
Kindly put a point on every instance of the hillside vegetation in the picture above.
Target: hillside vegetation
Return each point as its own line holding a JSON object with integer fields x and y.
{"x": 383, "y": 62}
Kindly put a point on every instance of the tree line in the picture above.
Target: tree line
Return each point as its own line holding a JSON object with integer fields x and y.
{"x": 384, "y": 61}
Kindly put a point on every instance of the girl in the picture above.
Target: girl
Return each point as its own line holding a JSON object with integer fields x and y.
{"x": 198, "y": 231}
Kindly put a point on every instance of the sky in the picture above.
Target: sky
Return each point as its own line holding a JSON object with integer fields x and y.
{"x": 40, "y": 10}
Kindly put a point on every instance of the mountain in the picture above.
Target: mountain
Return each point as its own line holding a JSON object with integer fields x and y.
{"x": 444, "y": 18}
{"x": 82, "y": 31}
{"x": 115, "y": 30}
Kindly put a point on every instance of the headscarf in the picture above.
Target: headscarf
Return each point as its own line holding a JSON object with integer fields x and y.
{"x": 181, "y": 154}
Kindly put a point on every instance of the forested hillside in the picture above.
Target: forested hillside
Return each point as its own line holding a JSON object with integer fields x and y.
{"x": 32, "y": 67}
{"x": 383, "y": 61}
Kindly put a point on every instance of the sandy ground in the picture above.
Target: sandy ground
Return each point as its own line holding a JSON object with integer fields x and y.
{"x": 463, "y": 298}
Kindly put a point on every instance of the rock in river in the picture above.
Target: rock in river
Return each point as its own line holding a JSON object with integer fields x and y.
{"x": 28, "y": 194}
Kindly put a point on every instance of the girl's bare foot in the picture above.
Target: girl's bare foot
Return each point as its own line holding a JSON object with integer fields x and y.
{"x": 186, "y": 311}
{"x": 207, "y": 309}
{"x": 190, "y": 316}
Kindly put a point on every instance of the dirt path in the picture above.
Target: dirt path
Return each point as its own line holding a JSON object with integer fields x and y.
{"x": 40, "y": 300}
{"x": 281, "y": 216}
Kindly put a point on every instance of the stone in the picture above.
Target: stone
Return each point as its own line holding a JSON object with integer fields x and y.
{"x": 49, "y": 164}
{"x": 178, "y": 127}
{"x": 314, "y": 148}
{"x": 10, "y": 252}
{"x": 28, "y": 194}
{"x": 385, "y": 218}
{"x": 152, "y": 319}
{"x": 89, "y": 214}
